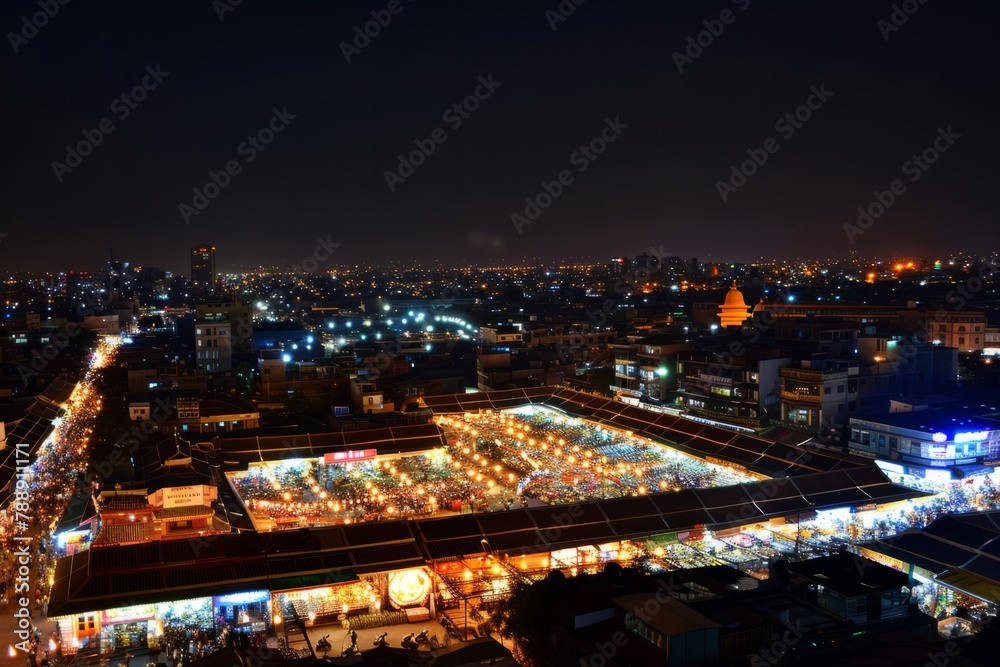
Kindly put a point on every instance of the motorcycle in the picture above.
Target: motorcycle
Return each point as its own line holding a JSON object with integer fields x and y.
{"x": 353, "y": 648}
{"x": 408, "y": 642}
{"x": 323, "y": 645}
{"x": 381, "y": 640}
{"x": 422, "y": 638}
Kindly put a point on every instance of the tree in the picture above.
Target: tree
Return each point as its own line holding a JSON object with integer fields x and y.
{"x": 525, "y": 616}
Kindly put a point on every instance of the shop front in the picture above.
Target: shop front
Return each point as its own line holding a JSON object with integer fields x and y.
{"x": 128, "y": 628}
{"x": 244, "y": 613}
{"x": 363, "y": 596}
{"x": 187, "y": 622}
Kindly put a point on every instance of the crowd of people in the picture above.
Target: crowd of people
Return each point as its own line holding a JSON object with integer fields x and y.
{"x": 493, "y": 461}
{"x": 56, "y": 472}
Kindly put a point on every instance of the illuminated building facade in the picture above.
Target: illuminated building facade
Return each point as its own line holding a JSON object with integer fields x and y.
{"x": 203, "y": 268}
{"x": 734, "y": 311}
{"x": 965, "y": 332}
{"x": 741, "y": 390}
{"x": 940, "y": 445}
{"x": 818, "y": 394}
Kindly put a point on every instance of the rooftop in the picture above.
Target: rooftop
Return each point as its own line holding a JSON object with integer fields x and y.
{"x": 849, "y": 574}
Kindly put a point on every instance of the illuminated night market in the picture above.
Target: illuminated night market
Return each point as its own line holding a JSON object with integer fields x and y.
{"x": 453, "y": 334}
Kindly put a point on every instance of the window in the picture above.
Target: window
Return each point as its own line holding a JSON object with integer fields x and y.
{"x": 840, "y": 389}
{"x": 942, "y": 328}
{"x": 961, "y": 340}
{"x": 856, "y": 606}
{"x": 85, "y": 623}
{"x": 961, "y": 329}
{"x": 826, "y": 390}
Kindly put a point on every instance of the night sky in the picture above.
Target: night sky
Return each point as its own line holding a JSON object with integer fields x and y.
{"x": 655, "y": 185}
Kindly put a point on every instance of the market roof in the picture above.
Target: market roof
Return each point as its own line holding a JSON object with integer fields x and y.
{"x": 758, "y": 454}
{"x": 162, "y": 571}
{"x": 546, "y": 528}
{"x": 79, "y": 511}
{"x": 180, "y": 569}
{"x": 960, "y": 550}
{"x": 241, "y": 449}
{"x": 173, "y": 462}
{"x": 32, "y": 429}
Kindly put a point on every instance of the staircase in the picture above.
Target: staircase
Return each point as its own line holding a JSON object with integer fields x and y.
{"x": 65, "y": 628}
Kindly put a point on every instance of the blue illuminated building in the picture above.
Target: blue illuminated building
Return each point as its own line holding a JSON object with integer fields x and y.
{"x": 940, "y": 445}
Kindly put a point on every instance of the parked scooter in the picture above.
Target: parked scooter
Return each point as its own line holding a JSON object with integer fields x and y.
{"x": 323, "y": 645}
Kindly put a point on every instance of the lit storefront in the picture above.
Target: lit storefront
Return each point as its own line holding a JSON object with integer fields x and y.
{"x": 141, "y": 626}
{"x": 922, "y": 450}
{"x": 244, "y": 613}
{"x": 364, "y": 595}
{"x": 127, "y": 627}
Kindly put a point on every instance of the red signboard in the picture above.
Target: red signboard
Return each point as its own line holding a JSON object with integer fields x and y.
{"x": 350, "y": 456}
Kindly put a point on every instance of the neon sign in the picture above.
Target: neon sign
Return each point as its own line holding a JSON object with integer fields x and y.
{"x": 350, "y": 455}
{"x": 972, "y": 436}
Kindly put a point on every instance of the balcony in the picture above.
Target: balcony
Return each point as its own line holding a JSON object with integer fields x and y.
{"x": 801, "y": 398}
{"x": 813, "y": 374}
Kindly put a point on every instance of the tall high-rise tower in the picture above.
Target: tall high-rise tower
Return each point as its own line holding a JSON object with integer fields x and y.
{"x": 203, "y": 268}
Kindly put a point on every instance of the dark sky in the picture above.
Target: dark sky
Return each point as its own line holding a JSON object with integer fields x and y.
{"x": 655, "y": 185}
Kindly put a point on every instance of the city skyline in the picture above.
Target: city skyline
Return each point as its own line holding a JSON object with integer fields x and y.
{"x": 668, "y": 133}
